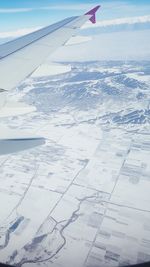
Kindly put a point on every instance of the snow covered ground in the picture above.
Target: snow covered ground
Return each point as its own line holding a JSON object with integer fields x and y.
{"x": 82, "y": 199}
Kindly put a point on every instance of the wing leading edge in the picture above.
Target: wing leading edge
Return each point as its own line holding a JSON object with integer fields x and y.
{"x": 20, "y": 57}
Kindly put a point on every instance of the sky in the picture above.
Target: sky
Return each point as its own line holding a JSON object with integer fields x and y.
{"x": 124, "y": 16}
{"x": 34, "y": 13}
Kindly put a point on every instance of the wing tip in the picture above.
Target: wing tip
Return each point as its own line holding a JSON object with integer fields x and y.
{"x": 92, "y": 12}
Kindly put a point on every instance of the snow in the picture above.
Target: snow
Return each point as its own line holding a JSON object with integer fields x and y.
{"x": 81, "y": 199}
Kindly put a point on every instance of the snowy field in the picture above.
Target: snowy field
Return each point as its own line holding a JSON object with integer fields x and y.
{"x": 82, "y": 199}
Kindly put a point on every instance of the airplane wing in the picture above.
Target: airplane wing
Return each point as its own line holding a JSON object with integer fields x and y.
{"x": 12, "y": 141}
{"x": 20, "y": 57}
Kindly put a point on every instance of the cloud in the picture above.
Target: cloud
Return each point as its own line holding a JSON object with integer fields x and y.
{"x": 110, "y": 46}
{"x": 67, "y": 7}
{"x": 100, "y": 25}
{"x": 17, "y": 33}
{"x": 15, "y": 10}
{"x": 120, "y": 21}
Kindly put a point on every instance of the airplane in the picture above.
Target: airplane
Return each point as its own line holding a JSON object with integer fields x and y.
{"x": 21, "y": 57}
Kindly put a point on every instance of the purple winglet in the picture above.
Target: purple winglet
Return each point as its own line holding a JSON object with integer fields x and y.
{"x": 92, "y": 12}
